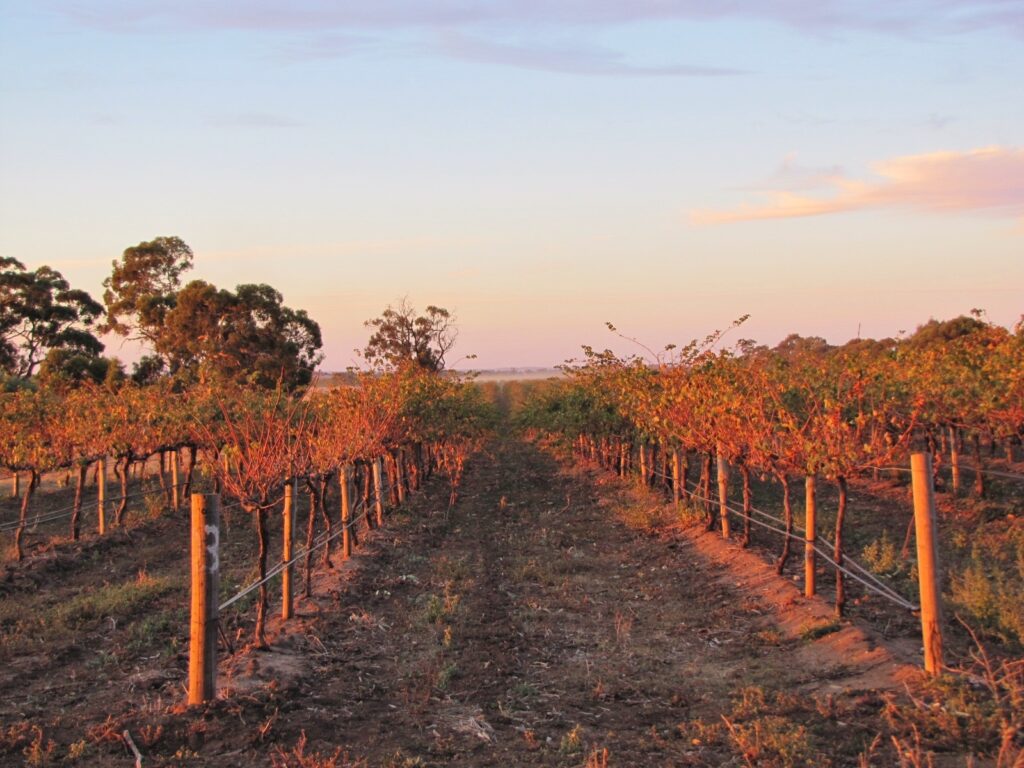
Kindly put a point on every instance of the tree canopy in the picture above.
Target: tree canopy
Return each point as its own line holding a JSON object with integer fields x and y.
{"x": 143, "y": 287}
{"x": 200, "y": 332}
{"x": 400, "y": 337}
{"x": 41, "y": 312}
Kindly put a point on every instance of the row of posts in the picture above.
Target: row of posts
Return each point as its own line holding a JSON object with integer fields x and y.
{"x": 101, "y": 488}
{"x": 926, "y": 535}
{"x": 205, "y": 542}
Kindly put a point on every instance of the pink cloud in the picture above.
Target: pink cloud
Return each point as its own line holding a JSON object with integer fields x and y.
{"x": 989, "y": 180}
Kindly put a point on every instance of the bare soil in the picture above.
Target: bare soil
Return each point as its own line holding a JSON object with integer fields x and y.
{"x": 552, "y": 617}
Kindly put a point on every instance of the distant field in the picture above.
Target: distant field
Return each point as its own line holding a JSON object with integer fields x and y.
{"x": 519, "y": 374}
{"x": 333, "y": 379}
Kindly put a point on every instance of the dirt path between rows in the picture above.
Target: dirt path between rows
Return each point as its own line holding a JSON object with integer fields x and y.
{"x": 530, "y": 626}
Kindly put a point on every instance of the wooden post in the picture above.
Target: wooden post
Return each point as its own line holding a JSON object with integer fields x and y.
{"x": 723, "y": 492}
{"x": 810, "y": 523}
{"x": 175, "y": 489}
{"x": 287, "y": 545}
{"x": 677, "y": 474}
{"x": 400, "y": 474}
{"x": 15, "y": 486}
{"x": 346, "y": 513}
{"x": 378, "y": 491}
{"x": 101, "y": 496}
{"x": 954, "y": 460}
{"x": 926, "y": 533}
{"x": 202, "y": 649}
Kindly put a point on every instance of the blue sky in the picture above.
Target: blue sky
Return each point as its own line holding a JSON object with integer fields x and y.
{"x": 539, "y": 168}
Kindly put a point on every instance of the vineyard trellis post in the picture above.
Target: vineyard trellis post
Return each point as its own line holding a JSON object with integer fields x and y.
{"x": 101, "y": 496}
{"x": 677, "y": 467}
{"x": 723, "y": 491}
{"x": 926, "y": 533}
{"x": 15, "y": 485}
{"x": 287, "y": 545}
{"x": 175, "y": 487}
{"x": 378, "y": 490}
{"x": 202, "y": 655}
{"x": 810, "y": 535}
{"x": 954, "y": 459}
{"x": 346, "y": 513}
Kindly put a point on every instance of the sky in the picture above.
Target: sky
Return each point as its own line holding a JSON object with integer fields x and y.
{"x": 540, "y": 168}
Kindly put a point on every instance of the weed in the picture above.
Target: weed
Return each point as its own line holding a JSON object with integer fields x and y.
{"x": 399, "y": 760}
{"x": 810, "y": 632}
{"x": 770, "y": 740}
{"x": 151, "y": 734}
{"x": 155, "y": 506}
{"x": 883, "y": 557}
{"x": 979, "y": 707}
{"x": 445, "y": 675}
{"x": 752, "y": 701}
{"x": 441, "y": 607}
{"x": 40, "y": 751}
{"x": 78, "y": 749}
{"x": 113, "y": 601}
{"x": 296, "y": 757}
{"x": 770, "y": 636}
{"x": 597, "y": 759}
{"x": 572, "y": 742}
{"x": 700, "y": 733}
{"x": 990, "y": 589}
{"x": 623, "y": 627}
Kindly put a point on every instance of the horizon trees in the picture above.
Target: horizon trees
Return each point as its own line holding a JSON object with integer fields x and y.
{"x": 40, "y": 313}
{"x": 401, "y": 337}
{"x": 198, "y": 331}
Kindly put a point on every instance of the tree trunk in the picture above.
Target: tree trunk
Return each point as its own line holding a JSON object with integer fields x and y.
{"x": 979, "y": 478}
{"x": 747, "y": 503}
{"x": 364, "y": 477}
{"x": 163, "y": 478}
{"x": 76, "y": 510}
{"x": 954, "y": 459}
{"x": 259, "y": 636}
{"x": 705, "y": 489}
{"x": 26, "y": 497}
{"x": 840, "y": 519}
{"x": 676, "y": 475}
{"x": 787, "y": 514}
{"x": 190, "y": 471}
{"x": 121, "y": 468}
{"x": 323, "y": 489}
{"x": 310, "y": 533}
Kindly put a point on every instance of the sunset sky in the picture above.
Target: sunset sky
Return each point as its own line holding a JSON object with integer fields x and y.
{"x": 537, "y": 167}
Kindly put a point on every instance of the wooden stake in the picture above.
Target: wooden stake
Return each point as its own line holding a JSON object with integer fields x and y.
{"x": 175, "y": 489}
{"x": 400, "y": 474}
{"x": 15, "y": 486}
{"x": 378, "y": 491}
{"x": 677, "y": 467}
{"x": 810, "y": 523}
{"x": 954, "y": 460}
{"x": 723, "y": 493}
{"x": 101, "y": 496}
{"x": 926, "y": 533}
{"x": 287, "y": 545}
{"x": 346, "y": 514}
{"x": 202, "y": 650}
